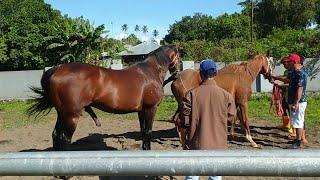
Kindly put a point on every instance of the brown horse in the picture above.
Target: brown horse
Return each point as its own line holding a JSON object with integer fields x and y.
{"x": 236, "y": 79}
{"x": 73, "y": 88}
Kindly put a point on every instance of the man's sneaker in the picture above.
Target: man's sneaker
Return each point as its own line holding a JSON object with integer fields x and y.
{"x": 296, "y": 144}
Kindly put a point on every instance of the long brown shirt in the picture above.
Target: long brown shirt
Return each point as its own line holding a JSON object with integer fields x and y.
{"x": 211, "y": 106}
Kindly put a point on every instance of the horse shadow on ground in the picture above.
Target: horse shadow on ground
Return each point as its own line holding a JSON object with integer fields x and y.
{"x": 95, "y": 142}
{"x": 264, "y": 136}
{"x": 157, "y": 136}
{"x": 268, "y": 136}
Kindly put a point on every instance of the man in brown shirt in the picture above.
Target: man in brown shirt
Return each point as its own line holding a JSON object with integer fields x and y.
{"x": 206, "y": 110}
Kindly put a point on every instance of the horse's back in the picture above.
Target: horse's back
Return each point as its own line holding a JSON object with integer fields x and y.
{"x": 186, "y": 80}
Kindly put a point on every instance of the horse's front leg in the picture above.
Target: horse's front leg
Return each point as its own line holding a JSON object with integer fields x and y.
{"x": 246, "y": 123}
{"x": 146, "y": 118}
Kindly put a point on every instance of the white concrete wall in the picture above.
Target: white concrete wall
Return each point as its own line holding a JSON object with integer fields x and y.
{"x": 15, "y": 84}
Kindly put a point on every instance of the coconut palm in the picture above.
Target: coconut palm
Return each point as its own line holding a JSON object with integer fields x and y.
{"x": 125, "y": 28}
{"x": 137, "y": 28}
{"x": 155, "y": 33}
{"x": 144, "y": 29}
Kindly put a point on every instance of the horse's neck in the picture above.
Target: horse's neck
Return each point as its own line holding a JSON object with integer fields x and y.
{"x": 157, "y": 68}
{"x": 253, "y": 68}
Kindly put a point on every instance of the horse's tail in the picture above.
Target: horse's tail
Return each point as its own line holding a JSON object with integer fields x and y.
{"x": 42, "y": 103}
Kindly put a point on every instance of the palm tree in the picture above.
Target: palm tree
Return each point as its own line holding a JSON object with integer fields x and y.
{"x": 137, "y": 28}
{"x": 144, "y": 29}
{"x": 155, "y": 33}
{"x": 125, "y": 28}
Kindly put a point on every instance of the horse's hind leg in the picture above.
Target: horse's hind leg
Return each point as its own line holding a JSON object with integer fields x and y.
{"x": 62, "y": 134}
{"x": 63, "y": 131}
{"x": 90, "y": 111}
{"x": 146, "y": 117}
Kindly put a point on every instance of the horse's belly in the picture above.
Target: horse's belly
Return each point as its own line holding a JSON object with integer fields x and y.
{"x": 122, "y": 106}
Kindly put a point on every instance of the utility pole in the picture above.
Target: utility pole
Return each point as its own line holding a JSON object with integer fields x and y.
{"x": 251, "y": 28}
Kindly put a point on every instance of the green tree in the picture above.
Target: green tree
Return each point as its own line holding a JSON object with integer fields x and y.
{"x": 3, "y": 50}
{"x": 318, "y": 13}
{"x": 270, "y": 14}
{"x": 112, "y": 46}
{"x": 77, "y": 41}
{"x": 25, "y": 24}
{"x": 282, "y": 42}
{"x": 132, "y": 40}
{"x": 204, "y": 27}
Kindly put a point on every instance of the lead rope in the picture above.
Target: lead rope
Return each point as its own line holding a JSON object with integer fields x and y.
{"x": 182, "y": 83}
{"x": 276, "y": 101}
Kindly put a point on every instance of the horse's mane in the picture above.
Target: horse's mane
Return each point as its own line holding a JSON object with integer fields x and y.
{"x": 160, "y": 56}
{"x": 157, "y": 54}
{"x": 233, "y": 68}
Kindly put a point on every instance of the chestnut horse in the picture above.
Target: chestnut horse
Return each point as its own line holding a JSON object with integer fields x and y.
{"x": 73, "y": 88}
{"x": 236, "y": 79}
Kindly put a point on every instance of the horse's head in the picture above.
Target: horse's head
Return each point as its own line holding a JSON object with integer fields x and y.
{"x": 172, "y": 52}
{"x": 267, "y": 67}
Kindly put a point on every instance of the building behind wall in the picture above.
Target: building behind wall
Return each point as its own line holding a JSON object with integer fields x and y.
{"x": 139, "y": 52}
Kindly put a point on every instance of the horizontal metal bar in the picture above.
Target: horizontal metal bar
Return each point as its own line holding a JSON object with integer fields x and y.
{"x": 136, "y": 163}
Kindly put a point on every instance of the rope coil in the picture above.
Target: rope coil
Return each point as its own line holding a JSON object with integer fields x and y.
{"x": 276, "y": 100}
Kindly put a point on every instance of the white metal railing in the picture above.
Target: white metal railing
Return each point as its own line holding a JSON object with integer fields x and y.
{"x": 226, "y": 163}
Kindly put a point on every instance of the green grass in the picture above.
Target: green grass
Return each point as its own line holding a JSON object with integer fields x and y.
{"x": 259, "y": 108}
{"x": 12, "y": 113}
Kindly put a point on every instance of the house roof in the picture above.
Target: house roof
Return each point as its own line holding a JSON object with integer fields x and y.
{"x": 141, "y": 49}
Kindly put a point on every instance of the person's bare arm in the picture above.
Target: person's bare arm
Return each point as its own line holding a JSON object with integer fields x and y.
{"x": 297, "y": 99}
{"x": 280, "y": 78}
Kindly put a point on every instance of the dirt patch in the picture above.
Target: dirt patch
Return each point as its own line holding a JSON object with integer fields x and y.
{"x": 115, "y": 134}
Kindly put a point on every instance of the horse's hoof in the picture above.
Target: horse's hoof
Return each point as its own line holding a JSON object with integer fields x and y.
{"x": 98, "y": 124}
{"x": 255, "y": 145}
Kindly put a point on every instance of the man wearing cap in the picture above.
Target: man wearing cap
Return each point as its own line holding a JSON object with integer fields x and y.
{"x": 207, "y": 113}
{"x": 286, "y": 125}
{"x": 297, "y": 99}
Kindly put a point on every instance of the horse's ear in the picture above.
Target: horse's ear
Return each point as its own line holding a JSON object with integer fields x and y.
{"x": 177, "y": 45}
{"x": 165, "y": 43}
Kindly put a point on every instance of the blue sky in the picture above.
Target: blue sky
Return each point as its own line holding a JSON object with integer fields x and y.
{"x": 155, "y": 14}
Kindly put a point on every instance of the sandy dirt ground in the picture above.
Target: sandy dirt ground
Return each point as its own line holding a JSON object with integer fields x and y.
{"x": 119, "y": 134}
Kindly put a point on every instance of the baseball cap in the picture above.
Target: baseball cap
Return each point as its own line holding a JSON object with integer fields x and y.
{"x": 294, "y": 58}
{"x": 208, "y": 67}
